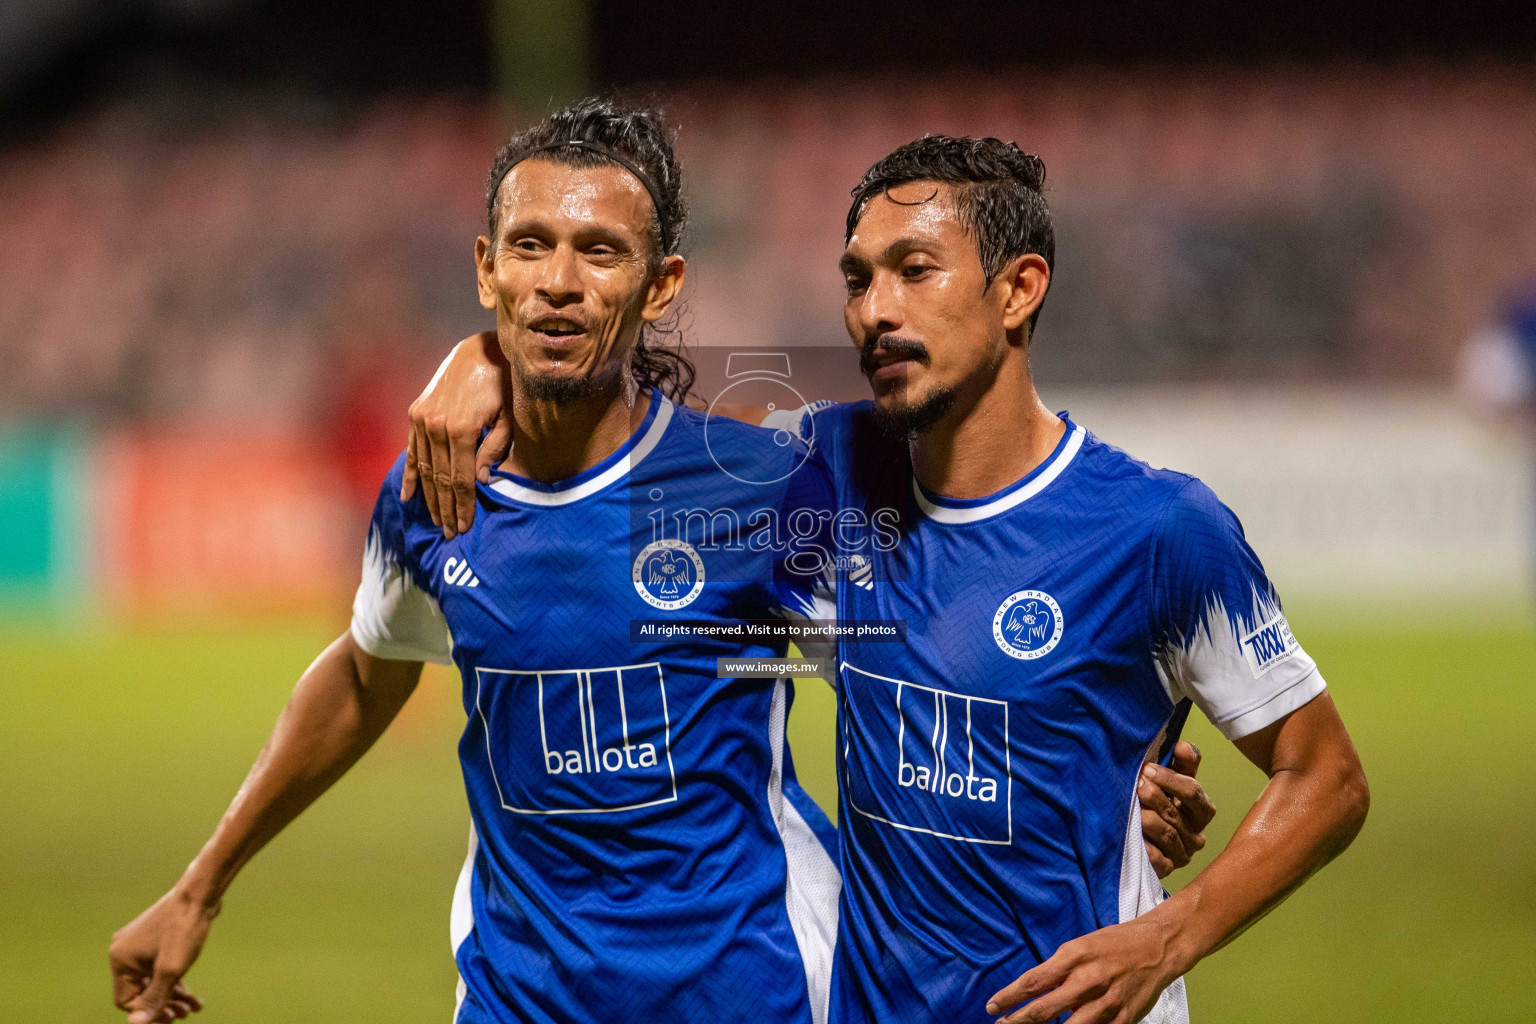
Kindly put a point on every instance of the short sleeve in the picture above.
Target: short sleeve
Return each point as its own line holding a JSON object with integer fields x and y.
{"x": 1220, "y": 635}
{"x": 393, "y": 617}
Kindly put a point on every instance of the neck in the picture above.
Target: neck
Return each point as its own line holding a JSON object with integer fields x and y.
{"x": 989, "y": 439}
{"x": 555, "y": 441}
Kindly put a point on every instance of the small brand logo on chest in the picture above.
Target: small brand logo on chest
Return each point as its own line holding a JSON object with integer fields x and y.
{"x": 457, "y": 573}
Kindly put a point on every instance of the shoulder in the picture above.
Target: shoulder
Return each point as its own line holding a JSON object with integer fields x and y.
{"x": 1132, "y": 487}
{"x": 729, "y": 433}
{"x": 842, "y": 416}
{"x": 839, "y": 429}
{"x": 707, "y": 446}
{"x": 390, "y": 514}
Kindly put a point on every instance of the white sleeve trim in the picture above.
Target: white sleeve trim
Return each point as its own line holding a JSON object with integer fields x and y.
{"x": 394, "y": 619}
{"x": 821, "y": 606}
{"x": 1297, "y": 695}
{"x": 1244, "y": 671}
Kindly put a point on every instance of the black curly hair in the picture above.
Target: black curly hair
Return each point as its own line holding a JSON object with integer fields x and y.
{"x": 642, "y": 136}
{"x": 998, "y": 194}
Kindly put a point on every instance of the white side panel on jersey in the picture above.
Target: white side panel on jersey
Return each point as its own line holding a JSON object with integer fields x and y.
{"x": 1140, "y": 891}
{"x": 1243, "y": 676}
{"x": 392, "y": 617}
{"x": 812, "y": 884}
{"x": 461, "y": 921}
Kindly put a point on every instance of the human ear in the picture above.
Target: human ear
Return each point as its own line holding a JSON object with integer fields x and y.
{"x": 1025, "y": 280}
{"x": 485, "y": 268}
{"x": 664, "y": 289}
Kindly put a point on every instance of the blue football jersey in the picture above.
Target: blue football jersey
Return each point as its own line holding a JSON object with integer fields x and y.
{"x": 641, "y": 850}
{"x": 988, "y": 765}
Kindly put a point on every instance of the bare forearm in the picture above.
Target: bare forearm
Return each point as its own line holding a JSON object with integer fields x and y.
{"x": 1311, "y": 810}
{"x": 336, "y": 712}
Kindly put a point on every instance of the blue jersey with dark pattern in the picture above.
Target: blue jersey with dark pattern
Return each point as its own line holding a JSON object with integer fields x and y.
{"x": 641, "y": 850}
{"x": 987, "y": 766}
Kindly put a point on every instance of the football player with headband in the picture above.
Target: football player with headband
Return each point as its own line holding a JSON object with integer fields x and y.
{"x": 640, "y": 849}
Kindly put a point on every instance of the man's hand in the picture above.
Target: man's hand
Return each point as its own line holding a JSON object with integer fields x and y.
{"x": 344, "y": 701}
{"x": 1313, "y": 806}
{"x": 1174, "y": 810}
{"x": 151, "y": 953}
{"x": 464, "y": 397}
{"x": 1111, "y": 976}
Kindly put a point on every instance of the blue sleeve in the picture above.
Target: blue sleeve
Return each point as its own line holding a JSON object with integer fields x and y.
{"x": 393, "y": 614}
{"x": 1220, "y": 636}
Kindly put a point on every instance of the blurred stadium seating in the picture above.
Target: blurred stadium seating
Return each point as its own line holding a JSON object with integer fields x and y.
{"x": 194, "y": 272}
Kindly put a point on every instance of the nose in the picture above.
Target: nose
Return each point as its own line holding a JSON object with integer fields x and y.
{"x": 879, "y": 308}
{"x": 560, "y": 284}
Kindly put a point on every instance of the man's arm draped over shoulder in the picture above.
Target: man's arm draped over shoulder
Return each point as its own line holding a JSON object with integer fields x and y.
{"x": 445, "y": 455}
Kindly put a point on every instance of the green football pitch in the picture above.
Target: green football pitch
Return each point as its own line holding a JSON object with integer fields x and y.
{"x": 119, "y": 750}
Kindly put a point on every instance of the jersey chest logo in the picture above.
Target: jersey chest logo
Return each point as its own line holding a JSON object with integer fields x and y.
{"x": 1028, "y": 625}
{"x": 668, "y": 574}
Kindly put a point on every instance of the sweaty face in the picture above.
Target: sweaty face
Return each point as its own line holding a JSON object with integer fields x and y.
{"x": 567, "y": 275}
{"x": 927, "y": 325}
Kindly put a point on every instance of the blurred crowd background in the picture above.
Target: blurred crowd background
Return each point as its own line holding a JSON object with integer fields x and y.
{"x": 1296, "y": 255}
{"x": 237, "y": 233}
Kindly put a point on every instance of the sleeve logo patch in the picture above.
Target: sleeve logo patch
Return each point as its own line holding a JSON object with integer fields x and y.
{"x": 1028, "y": 625}
{"x": 1269, "y": 645}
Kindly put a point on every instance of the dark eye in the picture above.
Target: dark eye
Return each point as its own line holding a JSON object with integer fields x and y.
{"x": 855, "y": 283}
{"x": 915, "y": 271}
{"x": 528, "y": 245}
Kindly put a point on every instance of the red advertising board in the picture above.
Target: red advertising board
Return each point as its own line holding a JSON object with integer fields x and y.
{"x": 246, "y": 520}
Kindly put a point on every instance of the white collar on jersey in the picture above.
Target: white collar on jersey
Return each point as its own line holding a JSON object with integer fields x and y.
{"x": 1031, "y": 485}
{"x": 614, "y": 473}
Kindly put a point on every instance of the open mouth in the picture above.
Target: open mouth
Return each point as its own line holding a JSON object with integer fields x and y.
{"x": 557, "y": 330}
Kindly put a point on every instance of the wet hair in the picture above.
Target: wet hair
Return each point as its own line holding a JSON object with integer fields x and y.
{"x": 641, "y": 140}
{"x": 998, "y": 195}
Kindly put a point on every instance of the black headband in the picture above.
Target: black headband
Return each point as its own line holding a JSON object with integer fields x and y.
{"x": 602, "y": 151}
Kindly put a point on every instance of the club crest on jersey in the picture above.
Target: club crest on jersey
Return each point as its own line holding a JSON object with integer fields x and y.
{"x": 668, "y": 574}
{"x": 1028, "y": 625}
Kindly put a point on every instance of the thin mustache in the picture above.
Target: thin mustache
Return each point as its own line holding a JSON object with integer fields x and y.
{"x": 901, "y": 346}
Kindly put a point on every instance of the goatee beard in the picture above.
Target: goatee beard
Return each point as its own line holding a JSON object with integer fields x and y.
{"x": 560, "y": 390}
{"x": 565, "y": 389}
{"x": 911, "y": 421}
